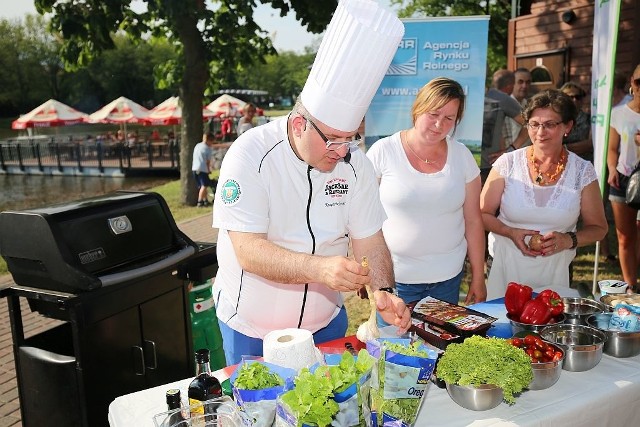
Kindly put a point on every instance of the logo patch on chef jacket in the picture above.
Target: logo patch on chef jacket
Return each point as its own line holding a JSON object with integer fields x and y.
{"x": 230, "y": 193}
{"x": 336, "y": 188}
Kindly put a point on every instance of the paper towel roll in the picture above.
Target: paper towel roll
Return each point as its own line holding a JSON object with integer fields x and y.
{"x": 292, "y": 348}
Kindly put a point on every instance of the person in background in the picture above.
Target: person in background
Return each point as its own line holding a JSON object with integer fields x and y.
{"x": 500, "y": 91}
{"x": 246, "y": 121}
{"x": 579, "y": 139}
{"x": 522, "y": 85}
{"x": 521, "y": 88}
{"x": 226, "y": 127}
{"x": 622, "y": 157}
{"x": 541, "y": 190}
{"x": 295, "y": 196}
{"x": 201, "y": 167}
{"x": 429, "y": 241}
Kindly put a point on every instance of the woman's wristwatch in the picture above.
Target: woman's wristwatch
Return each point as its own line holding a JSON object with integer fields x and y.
{"x": 574, "y": 239}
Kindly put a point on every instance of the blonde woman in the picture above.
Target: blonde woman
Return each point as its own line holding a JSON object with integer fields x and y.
{"x": 430, "y": 190}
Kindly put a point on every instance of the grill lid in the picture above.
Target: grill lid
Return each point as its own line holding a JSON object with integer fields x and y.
{"x": 89, "y": 243}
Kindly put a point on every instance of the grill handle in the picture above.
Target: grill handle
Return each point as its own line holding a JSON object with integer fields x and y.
{"x": 138, "y": 368}
{"x": 150, "y": 352}
{"x": 136, "y": 273}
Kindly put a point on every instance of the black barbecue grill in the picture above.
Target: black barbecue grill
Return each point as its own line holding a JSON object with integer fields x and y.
{"x": 86, "y": 244}
{"x": 115, "y": 270}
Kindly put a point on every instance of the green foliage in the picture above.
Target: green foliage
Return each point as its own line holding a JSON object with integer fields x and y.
{"x": 350, "y": 370}
{"x": 256, "y": 376}
{"x": 479, "y": 360}
{"x": 499, "y": 10}
{"x": 311, "y": 400}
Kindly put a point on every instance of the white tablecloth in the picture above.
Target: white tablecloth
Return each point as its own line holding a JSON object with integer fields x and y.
{"x": 608, "y": 394}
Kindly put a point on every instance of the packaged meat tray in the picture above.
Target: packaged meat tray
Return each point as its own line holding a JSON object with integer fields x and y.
{"x": 451, "y": 322}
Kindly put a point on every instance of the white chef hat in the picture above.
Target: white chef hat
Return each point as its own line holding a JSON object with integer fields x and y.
{"x": 354, "y": 55}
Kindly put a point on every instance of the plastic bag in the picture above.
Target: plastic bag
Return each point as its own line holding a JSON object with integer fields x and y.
{"x": 259, "y": 406}
{"x": 400, "y": 381}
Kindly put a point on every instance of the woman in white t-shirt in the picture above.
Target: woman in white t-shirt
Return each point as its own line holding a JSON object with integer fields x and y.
{"x": 622, "y": 157}
{"x": 430, "y": 190}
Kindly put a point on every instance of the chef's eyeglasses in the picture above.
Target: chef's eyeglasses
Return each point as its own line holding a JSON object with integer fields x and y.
{"x": 335, "y": 145}
{"x": 534, "y": 126}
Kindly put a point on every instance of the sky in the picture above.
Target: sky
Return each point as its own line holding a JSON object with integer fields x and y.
{"x": 286, "y": 33}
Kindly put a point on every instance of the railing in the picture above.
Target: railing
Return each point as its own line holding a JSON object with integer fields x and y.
{"x": 56, "y": 154}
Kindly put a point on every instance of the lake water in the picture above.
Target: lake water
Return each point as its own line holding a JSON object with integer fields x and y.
{"x": 32, "y": 191}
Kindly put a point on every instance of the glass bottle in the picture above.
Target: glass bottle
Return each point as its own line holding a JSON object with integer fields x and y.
{"x": 173, "y": 402}
{"x": 203, "y": 387}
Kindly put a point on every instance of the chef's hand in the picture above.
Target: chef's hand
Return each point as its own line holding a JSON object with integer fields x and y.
{"x": 343, "y": 274}
{"x": 393, "y": 310}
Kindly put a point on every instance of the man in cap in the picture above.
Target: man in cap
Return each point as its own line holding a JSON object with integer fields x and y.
{"x": 295, "y": 193}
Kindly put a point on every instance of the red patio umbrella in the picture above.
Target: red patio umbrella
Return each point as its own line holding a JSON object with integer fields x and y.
{"x": 49, "y": 114}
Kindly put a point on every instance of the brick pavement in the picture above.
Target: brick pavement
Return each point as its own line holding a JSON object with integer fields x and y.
{"x": 198, "y": 229}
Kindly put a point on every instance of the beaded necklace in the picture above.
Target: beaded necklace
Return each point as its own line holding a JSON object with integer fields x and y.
{"x": 550, "y": 177}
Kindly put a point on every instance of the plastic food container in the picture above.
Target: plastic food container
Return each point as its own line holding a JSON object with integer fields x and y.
{"x": 612, "y": 287}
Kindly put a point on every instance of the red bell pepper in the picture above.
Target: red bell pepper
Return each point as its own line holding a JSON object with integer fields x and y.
{"x": 553, "y": 300}
{"x": 516, "y": 297}
{"x": 535, "y": 312}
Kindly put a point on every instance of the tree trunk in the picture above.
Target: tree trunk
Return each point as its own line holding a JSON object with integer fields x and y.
{"x": 196, "y": 74}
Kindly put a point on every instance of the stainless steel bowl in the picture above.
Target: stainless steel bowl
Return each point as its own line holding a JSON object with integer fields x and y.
{"x": 576, "y": 310}
{"x": 519, "y": 326}
{"x": 479, "y": 398}
{"x": 546, "y": 374}
{"x": 619, "y": 343}
{"x": 583, "y": 345}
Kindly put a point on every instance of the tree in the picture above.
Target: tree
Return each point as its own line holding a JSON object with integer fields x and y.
{"x": 211, "y": 43}
{"x": 499, "y": 10}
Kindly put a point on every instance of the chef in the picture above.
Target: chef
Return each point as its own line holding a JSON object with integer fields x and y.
{"x": 293, "y": 194}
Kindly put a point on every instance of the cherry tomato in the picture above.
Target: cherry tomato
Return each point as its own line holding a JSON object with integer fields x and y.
{"x": 530, "y": 340}
{"x": 537, "y": 354}
{"x": 557, "y": 356}
{"x": 540, "y": 345}
{"x": 549, "y": 352}
{"x": 517, "y": 342}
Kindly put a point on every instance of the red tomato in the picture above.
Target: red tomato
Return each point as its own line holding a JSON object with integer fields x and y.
{"x": 540, "y": 345}
{"x": 517, "y": 342}
{"x": 537, "y": 354}
{"x": 557, "y": 356}
{"x": 530, "y": 340}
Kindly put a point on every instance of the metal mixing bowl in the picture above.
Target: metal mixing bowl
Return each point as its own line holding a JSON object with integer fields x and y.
{"x": 546, "y": 374}
{"x": 619, "y": 343}
{"x": 582, "y": 345}
{"x": 576, "y": 310}
{"x": 479, "y": 398}
{"x": 519, "y": 326}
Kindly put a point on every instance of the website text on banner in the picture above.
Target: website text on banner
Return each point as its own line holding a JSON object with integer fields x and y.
{"x": 453, "y": 47}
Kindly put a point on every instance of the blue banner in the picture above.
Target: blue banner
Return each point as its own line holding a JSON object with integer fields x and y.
{"x": 453, "y": 47}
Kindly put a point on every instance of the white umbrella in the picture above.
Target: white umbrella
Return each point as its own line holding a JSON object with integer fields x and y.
{"x": 49, "y": 114}
{"x": 226, "y": 104}
{"x": 121, "y": 110}
{"x": 169, "y": 112}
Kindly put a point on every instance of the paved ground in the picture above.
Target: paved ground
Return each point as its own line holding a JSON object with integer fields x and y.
{"x": 198, "y": 229}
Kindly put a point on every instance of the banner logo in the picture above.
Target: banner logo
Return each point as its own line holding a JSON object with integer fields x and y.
{"x": 405, "y": 61}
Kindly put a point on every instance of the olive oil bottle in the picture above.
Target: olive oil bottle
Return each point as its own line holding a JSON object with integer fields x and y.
{"x": 204, "y": 387}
